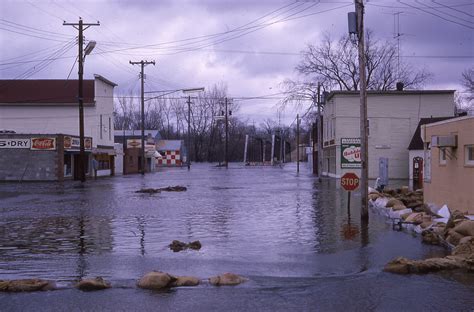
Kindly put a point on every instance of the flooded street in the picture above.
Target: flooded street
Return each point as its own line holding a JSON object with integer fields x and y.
{"x": 291, "y": 235}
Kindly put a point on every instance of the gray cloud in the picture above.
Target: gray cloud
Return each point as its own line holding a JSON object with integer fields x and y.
{"x": 125, "y": 25}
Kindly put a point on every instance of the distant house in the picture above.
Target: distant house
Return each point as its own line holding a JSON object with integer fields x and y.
{"x": 48, "y": 109}
{"x": 393, "y": 118}
{"x": 416, "y": 154}
{"x": 173, "y": 153}
{"x": 449, "y": 166}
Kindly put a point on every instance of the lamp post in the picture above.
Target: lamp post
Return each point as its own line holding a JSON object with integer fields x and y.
{"x": 81, "y": 58}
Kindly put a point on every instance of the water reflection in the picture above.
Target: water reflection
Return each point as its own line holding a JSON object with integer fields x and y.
{"x": 252, "y": 215}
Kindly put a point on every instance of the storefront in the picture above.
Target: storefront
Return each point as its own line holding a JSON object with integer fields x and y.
{"x": 71, "y": 155}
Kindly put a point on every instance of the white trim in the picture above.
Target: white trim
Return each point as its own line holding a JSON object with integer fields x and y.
{"x": 448, "y": 121}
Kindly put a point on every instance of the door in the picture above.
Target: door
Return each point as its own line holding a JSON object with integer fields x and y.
{"x": 417, "y": 173}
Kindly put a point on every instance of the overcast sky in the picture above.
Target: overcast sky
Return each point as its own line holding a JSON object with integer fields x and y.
{"x": 251, "y": 46}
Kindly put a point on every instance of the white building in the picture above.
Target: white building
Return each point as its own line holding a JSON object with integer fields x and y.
{"x": 51, "y": 106}
{"x": 393, "y": 118}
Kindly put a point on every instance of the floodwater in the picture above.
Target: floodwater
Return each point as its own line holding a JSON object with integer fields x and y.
{"x": 292, "y": 236}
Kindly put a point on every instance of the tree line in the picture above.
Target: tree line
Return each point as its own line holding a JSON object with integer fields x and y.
{"x": 169, "y": 115}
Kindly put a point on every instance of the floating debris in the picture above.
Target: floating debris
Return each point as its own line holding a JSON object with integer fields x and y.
{"x": 176, "y": 188}
{"x": 177, "y": 245}
{"x": 148, "y": 191}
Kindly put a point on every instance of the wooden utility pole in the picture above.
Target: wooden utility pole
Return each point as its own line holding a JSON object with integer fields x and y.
{"x": 188, "y": 160}
{"x": 320, "y": 135}
{"x": 82, "y": 154}
{"x": 226, "y": 158}
{"x": 142, "y": 125}
{"x": 364, "y": 212}
{"x": 297, "y": 143}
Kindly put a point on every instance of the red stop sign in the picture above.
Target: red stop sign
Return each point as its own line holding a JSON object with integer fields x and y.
{"x": 350, "y": 181}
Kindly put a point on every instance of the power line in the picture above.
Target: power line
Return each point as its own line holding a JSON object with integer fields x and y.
{"x": 29, "y": 28}
{"x": 439, "y": 16}
{"x": 239, "y": 29}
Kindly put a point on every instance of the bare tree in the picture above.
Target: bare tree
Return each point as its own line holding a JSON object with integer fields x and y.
{"x": 335, "y": 65}
{"x": 468, "y": 84}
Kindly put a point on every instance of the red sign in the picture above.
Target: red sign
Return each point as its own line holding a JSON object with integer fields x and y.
{"x": 350, "y": 181}
{"x": 43, "y": 143}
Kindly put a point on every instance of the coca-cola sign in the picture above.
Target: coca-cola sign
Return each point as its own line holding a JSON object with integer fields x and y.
{"x": 44, "y": 144}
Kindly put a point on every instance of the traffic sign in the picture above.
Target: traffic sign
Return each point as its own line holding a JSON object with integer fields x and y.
{"x": 350, "y": 181}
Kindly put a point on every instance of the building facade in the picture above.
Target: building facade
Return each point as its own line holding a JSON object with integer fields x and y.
{"x": 449, "y": 166}
{"x": 50, "y": 106}
{"x": 393, "y": 117}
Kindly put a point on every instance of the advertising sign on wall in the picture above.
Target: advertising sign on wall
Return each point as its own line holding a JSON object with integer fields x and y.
{"x": 74, "y": 143}
{"x": 43, "y": 144}
{"x": 350, "y": 153}
{"x": 134, "y": 143}
{"x": 15, "y": 143}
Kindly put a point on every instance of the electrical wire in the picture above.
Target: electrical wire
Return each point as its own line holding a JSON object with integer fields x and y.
{"x": 436, "y": 15}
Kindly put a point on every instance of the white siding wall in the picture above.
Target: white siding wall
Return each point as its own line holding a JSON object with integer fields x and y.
{"x": 393, "y": 119}
{"x": 64, "y": 119}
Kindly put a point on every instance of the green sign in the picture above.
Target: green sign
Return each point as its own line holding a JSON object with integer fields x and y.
{"x": 350, "y": 153}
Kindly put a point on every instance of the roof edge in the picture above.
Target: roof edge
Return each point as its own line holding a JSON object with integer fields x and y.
{"x": 389, "y": 92}
{"x": 103, "y": 79}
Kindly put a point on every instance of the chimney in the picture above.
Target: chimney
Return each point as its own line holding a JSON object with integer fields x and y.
{"x": 399, "y": 86}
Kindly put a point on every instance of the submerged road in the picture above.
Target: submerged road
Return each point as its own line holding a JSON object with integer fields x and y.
{"x": 291, "y": 235}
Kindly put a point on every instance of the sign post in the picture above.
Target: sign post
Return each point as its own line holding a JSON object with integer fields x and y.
{"x": 349, "y": 182}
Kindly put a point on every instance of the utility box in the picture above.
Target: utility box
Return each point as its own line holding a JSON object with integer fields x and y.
{"x": 383, "y": 170}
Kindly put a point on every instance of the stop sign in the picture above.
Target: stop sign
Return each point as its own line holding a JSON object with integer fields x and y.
{"x": 350, "y": 181}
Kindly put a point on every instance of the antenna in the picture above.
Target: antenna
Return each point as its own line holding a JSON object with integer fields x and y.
{"x": 397, "y": 35}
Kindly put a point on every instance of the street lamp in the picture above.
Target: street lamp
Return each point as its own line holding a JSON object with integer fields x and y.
{"x": 189, "y": 91}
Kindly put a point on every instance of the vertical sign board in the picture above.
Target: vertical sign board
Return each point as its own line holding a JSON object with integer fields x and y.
{"x": 350, "y": 153}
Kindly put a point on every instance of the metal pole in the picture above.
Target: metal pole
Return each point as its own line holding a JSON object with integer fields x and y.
{"x": 82, "y": 153}
{"x": 226, "y": 136}
{"x": 297, "y": 143}
{"x": 189, "y": 133}
{"x": 364, "y": 212}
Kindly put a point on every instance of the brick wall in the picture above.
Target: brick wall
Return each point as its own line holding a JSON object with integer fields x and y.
{"x": 28, "y": 165}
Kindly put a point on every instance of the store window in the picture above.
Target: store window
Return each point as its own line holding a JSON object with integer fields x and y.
{"x": 469, "y": 155}
{"x": 103, "y": 160}
{"x": 67, "y": 165}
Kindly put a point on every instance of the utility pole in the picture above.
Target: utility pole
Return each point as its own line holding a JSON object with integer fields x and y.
{"x": 188, "y": 160}
{"x": 226, "y": 135}
{"x": 142, "y": 125}
{"x": 320, "y": 136}
{"x": 82, "y": 154}
{"x": 364, "y": 212}
{"x": 298, "y": 143}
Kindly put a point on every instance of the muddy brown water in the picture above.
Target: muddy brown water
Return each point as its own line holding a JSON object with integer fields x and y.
{"x": 291, "y": 235}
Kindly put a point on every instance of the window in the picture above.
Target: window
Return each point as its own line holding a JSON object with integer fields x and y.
{"x": 110, "y": 128}
{"x": 469, "y": 155}
{"x": 100, "y": 126}
{"x": 442, "y": 156}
